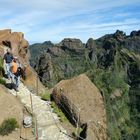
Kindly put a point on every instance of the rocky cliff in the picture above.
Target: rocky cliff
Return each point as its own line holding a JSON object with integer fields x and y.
{"x": 19, "y": 46}
{"x": 112, "y": 62}
{"x": 59, "y": 62}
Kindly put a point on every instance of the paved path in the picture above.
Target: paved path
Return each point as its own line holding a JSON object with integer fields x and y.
{"x": 48, "y": 122}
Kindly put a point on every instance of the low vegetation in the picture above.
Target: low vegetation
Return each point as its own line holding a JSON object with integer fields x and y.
{"x": 58, "y": 111}
{"x": 1, "y": 66}
{"x": 2, "y": 81}
{"x": 45, "y": 96}
{"x": 8, "y": 126}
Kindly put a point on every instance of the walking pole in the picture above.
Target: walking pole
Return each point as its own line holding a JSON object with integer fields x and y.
{"x": 77, "y": 125}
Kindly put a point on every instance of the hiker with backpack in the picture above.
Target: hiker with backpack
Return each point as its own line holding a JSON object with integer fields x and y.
{"x": 16, "y": 71}
{"x": 8, "y": 57}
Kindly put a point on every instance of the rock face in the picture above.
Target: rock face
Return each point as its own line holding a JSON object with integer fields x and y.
{"x": 135, "y": 33}
{"x": 19, "y": 47}
{"x": 84, "y": 102}
{"x": 56, "y": 62}
{"x": 91, "y": 46}
{"x": 9, "y": 106}
{"x": 75, "y": 45}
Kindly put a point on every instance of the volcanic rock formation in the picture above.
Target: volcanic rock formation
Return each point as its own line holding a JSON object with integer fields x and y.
{"x": 19, "y": 47}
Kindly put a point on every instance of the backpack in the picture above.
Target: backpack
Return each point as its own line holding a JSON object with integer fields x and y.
{"x": 19, "y": 72}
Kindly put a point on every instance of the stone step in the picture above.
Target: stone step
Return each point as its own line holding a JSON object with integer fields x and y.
{"x": 58, "y": 135}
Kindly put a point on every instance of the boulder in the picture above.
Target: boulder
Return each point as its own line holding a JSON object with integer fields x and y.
{"x": 84, "y": 104}
{"x": 27, "y": 121}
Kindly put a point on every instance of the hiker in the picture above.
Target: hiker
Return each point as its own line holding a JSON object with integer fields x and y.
{"x": 16, "y": 71}
{"x": 8, "y": 57}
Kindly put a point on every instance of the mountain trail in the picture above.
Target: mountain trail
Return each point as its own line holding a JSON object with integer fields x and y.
{"x": 48, "y": 124}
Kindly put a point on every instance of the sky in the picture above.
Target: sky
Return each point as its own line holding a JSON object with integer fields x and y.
{"x": 54, "y": 20}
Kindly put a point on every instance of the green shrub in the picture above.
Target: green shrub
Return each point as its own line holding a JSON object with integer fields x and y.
{"x": 1, "y": 63}
{"x": 45, "y": 96}
{"x": 77, "y": 134}
{"x": 2, "y": 81}
{"x": 8, "y": 126}
{"x": 1, "y": 66}
{"x": 58, "y": 111}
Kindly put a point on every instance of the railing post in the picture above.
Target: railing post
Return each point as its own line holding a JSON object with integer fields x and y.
{"x": 37, "y": 84}
{"x": 31, "y": 103}
{"x": 77, "y": 124}
{"x": 36, "y": 128}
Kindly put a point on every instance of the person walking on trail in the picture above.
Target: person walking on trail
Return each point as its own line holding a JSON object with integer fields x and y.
{"x": 8, "y": 57}
{"x": 16, "y": 73}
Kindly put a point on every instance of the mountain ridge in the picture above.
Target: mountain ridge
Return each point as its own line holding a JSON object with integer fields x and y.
{"x": 112, "y": 63}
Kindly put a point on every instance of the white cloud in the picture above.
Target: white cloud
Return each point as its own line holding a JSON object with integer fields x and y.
{"x": 52, "y": 20}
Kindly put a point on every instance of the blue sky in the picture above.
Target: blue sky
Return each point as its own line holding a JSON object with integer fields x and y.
{"x": 43, "y": 20}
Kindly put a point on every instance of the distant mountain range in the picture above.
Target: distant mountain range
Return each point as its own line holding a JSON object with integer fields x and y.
{"x": 112, "y": 62}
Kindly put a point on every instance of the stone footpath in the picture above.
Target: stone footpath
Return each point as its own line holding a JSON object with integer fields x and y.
{"x": 48, "y": 123}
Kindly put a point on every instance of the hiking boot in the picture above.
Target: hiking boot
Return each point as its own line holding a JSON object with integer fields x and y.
{"x": 6, "y": 76}
{"x": 16, "y": 89}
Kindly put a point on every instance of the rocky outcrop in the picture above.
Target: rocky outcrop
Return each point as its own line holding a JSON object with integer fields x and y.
{"x": 39, "y": 48}
{"x": 132, "y": 42}
{"x": 60, "y": 61}
{"x": 120, "y": 36}
{"x": 19, "y": 46}
{"x": 74, "y": 45}
{"x": 83, "y": 101}
{"x": 91, "y": 46}
{"x": 135, "y": 33}
{"x": 56, "y": 51}
{"x": 45, "y": 70}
